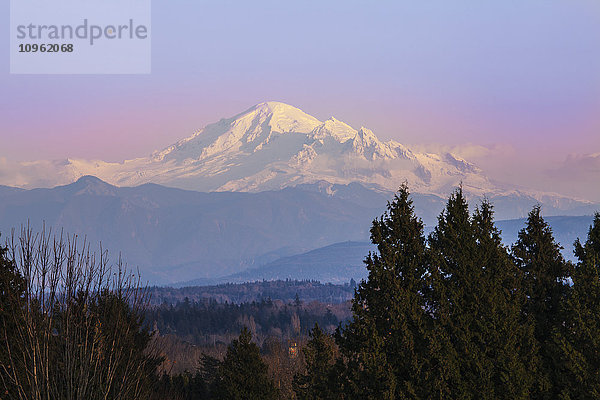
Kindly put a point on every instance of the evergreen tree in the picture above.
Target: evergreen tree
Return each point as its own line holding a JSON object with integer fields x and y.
{"x": 580, "y": 346}
{"x": 319, "y": 381}
{"x": 243, "y": 374}
{"x": 508, "y": 338}
{"x": 545, "y": 275}
{"x": 455, "y": 302}
{"x": 385, "y": 344}
{"x": 479, "y": 346}
{"x": 12, "y": 287}
{"x": 207, "y": 376}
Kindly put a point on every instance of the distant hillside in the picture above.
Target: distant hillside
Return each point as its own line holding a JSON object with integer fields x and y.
{"x": 340, "y": 262}
{"x": 6, "y": 190}
{"x": 174, "y": 235}
{"x": 281, "y": 290}
{"x": 337, "y": 263}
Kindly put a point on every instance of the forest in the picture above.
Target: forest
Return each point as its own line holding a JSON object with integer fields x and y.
{"x": 194, "y": 321}
{"x": 284, "y": 290}
{"x": 451, "y": 315}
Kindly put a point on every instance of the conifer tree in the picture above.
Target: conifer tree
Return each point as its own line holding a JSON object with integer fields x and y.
{"x": 243, "y": 375}
{"x": 385, "y": 344}
{"x": 12, "y": 288}
{"x": 545, "y": 274}
{"x": 455, "y": 302}
{"x": 319, "y": 381}
{"x": 580, "y": 346}
{"x": 508, "y": 338}
{"x": 207, "y": 375}
{"x": 479, "y": 347}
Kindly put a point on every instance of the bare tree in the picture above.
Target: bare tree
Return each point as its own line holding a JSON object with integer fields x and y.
{"x": 78, "y": 323}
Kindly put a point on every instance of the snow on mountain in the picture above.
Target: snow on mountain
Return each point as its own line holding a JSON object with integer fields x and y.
{"x": 269, "y": 147}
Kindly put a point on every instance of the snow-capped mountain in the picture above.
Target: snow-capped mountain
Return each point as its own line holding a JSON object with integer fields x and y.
{"x": 272, "y": 146}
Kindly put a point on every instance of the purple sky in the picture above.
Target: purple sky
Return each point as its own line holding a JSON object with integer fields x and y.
{"x": 521, "y": 78}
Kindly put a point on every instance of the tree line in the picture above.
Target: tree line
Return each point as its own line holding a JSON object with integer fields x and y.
{"x": 286, "y": 290}
{"x": 457, "y": 315}
{"x": 454, "y": 315}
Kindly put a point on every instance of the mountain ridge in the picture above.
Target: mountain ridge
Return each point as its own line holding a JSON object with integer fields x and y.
{"x": 176, "y": 235}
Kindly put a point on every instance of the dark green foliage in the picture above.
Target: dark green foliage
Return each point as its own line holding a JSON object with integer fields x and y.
{"x": 482, "y": 345}
{"x": 545, "y": 272}
{"x": 439, "y": 319}
{"x": 243, "y": 374}
{"x": 507, "y": 337}
{"x": 580, "y": 343}
{"x": 207, "y": 375}
{"x": 319, "y": 380}
{"x": 545, "y": 275}
{"x": 12, "y": 288}
{"x": 186, "y": 386}
{"x": 385, "y": 344}
{"x": 454, "y": 302}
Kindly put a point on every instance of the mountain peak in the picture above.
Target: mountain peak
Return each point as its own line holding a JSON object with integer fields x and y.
{"x": 366, "y": 144}
{"x": 89, "y": 180}
{"x": 281, "y": 117}
{"x": 89, "y": 184}
{"x": 366, "y": 135}
{"x": 334, "y": 128}
{"x": 273, "y": 106}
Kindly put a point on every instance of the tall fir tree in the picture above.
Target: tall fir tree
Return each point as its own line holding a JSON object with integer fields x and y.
{"x": 243, "y": 375}
{"x": 545, "y": 281}
{"x": 507, "y": 338}
{"x": 480, "y": 350}
{"x": 455, "y": 304}
{"x": 386, "y": 343}
{"x": 580, "y": 345}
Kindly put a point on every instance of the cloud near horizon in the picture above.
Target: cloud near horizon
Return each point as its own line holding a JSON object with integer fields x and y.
{"x": 578, "y": 174}
{"x": 34, "y": 174}
{"x": 468, "y": 151}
